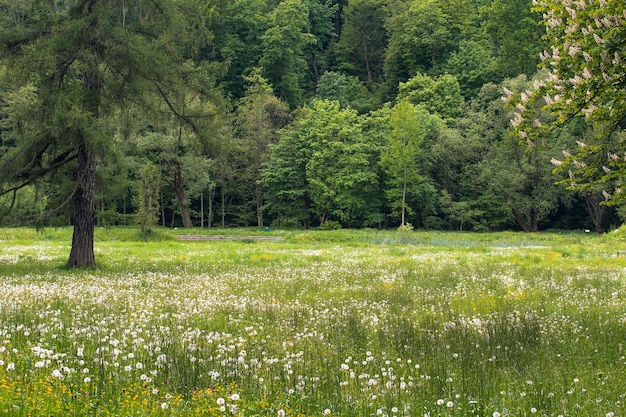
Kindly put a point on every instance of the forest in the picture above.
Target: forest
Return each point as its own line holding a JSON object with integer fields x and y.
{"x": 434, "y": 114}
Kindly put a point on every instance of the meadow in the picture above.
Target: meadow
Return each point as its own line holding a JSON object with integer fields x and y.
{"x": 339, "y": 323}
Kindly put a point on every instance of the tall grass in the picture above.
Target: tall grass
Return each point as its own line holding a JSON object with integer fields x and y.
{"x": 349, "y": 323}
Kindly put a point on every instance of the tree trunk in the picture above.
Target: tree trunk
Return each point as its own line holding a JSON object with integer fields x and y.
{"x": 259, "y": 205}
{"x": 201, "y": 209}
{"x": 82, "y": 254}
{"x": 370, "y": 77}
{"x": 223, "y": 208}
{"x": 520, "y": 220}
{"x": 595, "y": 209}
{"x": 211, "y": 198}
{"x": 181, "y": 196}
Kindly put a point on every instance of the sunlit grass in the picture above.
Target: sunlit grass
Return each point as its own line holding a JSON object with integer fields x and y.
{"x": 351, "y": 323}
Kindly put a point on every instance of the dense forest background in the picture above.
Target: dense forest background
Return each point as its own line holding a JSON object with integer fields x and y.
{"x": 308, "y": 113}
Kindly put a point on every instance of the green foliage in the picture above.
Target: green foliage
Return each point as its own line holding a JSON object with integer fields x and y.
{"x": 403, "y": 159}
{"x": 420, "y": 37}
{"x": 205, "y": 89}
{"x": 239, "y": 29}
{"x": 441, "y": 95}
{"x": 329, "y": 225}
{"x": 472, "y": 65}
{"x": 259, "y": 117}
{"x": 345, "y": 89}
{"x": 585, "y": 79}
{"x": 283, "y": 45}
{"x": 148, "y": 212}
{"x": 361, "y": 47}
{"x": 521, "y": 177}
{"x": 517, "y": 42}
{"x": 322, "y": 165}
{"x": 26, "y": 206}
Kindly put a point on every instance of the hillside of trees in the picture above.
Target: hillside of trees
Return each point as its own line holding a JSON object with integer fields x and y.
{"x": 306, "y": 113}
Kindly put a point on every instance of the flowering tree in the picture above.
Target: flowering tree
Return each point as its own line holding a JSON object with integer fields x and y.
{"x": 586, "y": 79}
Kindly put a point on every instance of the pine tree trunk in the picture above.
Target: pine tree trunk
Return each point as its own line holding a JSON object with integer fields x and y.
{"x": 82, "y": 254}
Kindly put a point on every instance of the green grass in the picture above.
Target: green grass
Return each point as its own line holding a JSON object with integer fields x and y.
{"x": 351, "y": 323}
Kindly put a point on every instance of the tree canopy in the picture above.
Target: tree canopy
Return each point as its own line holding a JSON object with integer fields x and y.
{"x": 305, "y": 113}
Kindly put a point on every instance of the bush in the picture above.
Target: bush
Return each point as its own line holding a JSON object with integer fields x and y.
{"x": 330, "y": 225}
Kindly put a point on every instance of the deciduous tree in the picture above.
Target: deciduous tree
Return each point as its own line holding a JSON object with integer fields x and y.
{"x": 586, "y": 79}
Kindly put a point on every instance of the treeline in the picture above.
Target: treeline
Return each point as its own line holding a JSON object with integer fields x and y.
{"x": 303, "y": 113}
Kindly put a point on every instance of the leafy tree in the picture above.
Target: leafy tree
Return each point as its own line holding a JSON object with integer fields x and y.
{"x": 323, "y": 166}
{"x": 420, "y": 37}
{"x": 284, "y": 174}
{"x": 361, "y": 47}
{"x": 147, "y": 215}
{"x": 473, "y": 65}
{"x": 284, "y": 44}
{"x": 259, "y": 117}
{"x": 521, "y": 177}
{"x": 403, "y": 158}
{"x": 84, "y": 59}
{"x": 347, "y": 90}
{"x": 321, "y": 15}
{"x": 459, "y": 213}
{"x": 441, "y": 95}
{"x": 341, "y": 171}
{"x": 586, "y": 79}
{"x": 242, "y": 24}
{"x": 516, "y": 42}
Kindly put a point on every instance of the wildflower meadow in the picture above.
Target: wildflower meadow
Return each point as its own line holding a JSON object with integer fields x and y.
{"x": 338, "y": 323}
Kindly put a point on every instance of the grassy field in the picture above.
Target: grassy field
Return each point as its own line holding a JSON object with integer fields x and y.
{"x": 340, "y": 323}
